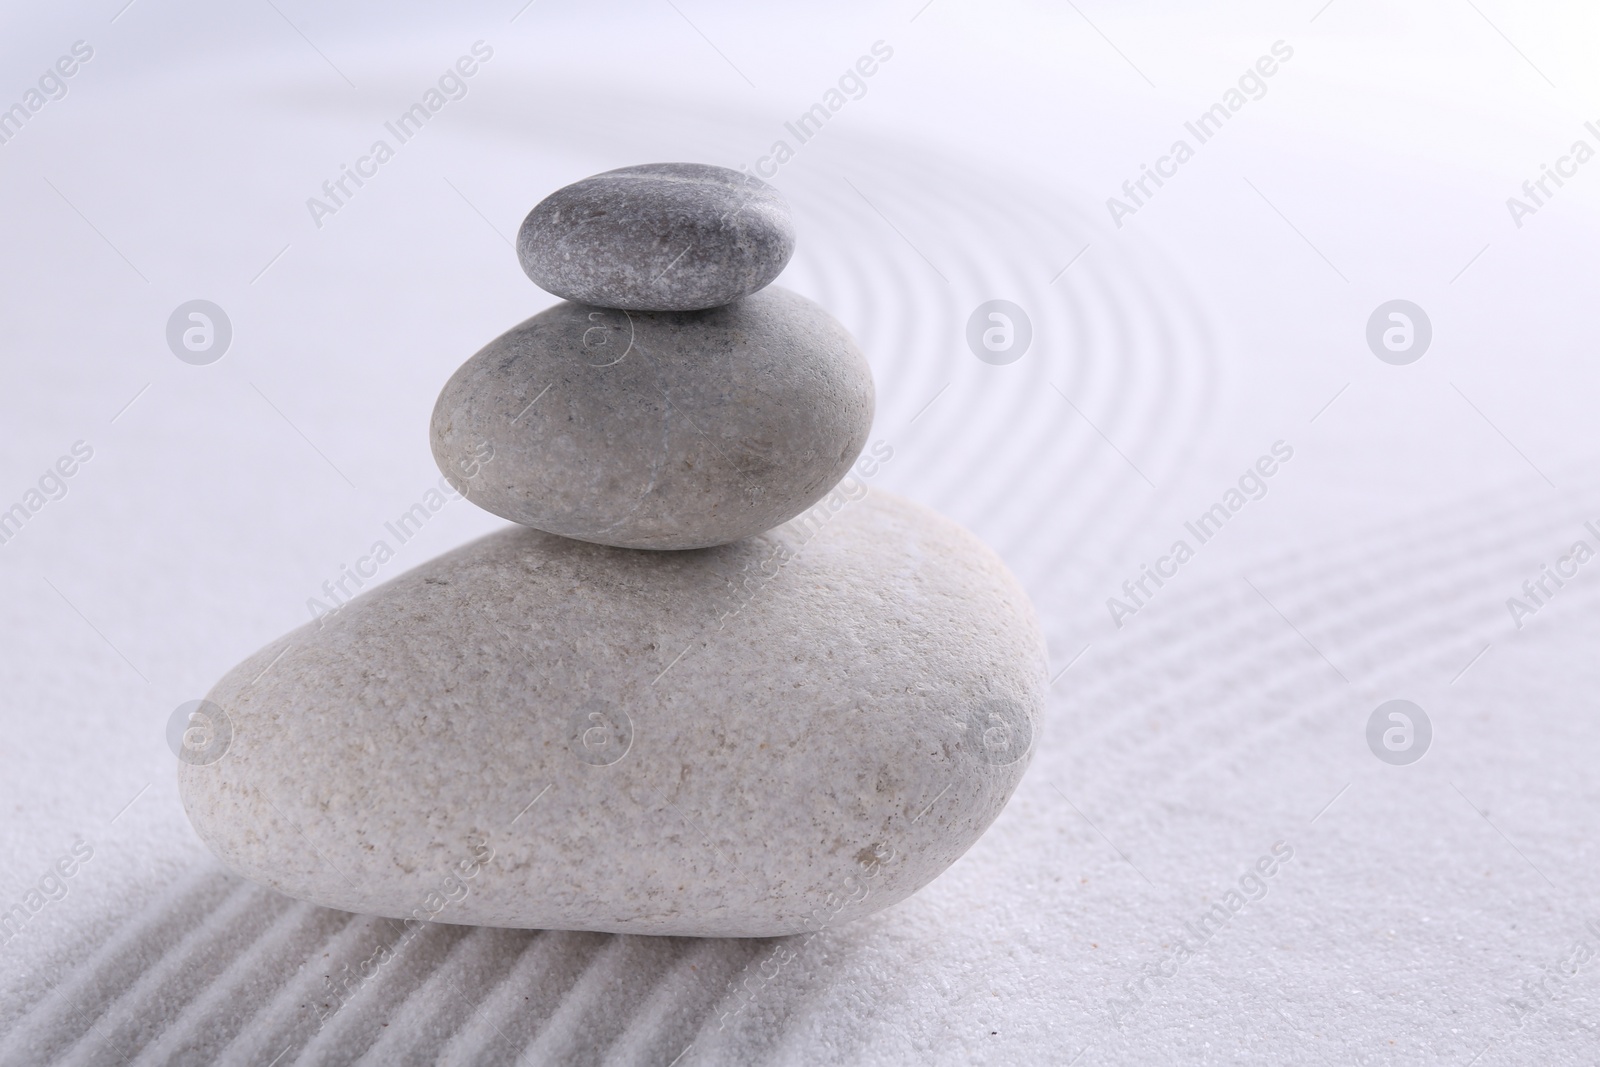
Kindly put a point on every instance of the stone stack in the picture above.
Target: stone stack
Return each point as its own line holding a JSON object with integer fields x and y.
{"x": 707, "y": 684}
{"x": 677, "y": 401}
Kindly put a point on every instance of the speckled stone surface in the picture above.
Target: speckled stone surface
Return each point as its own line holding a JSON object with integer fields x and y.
{"x": 758, "y": 739}
{"x": 658, "y": 237}
{"x": 659, "y": 429}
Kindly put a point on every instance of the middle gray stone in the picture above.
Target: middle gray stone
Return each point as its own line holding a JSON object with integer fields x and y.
{"x": 666, "y": 430}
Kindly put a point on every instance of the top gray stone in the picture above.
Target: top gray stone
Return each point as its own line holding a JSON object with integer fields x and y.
{"x": 658, "y": 237}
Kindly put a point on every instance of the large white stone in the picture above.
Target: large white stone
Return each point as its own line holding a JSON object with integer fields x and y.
{"x": 757, "y": 739}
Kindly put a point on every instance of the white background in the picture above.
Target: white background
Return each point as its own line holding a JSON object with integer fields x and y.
{"x": 1172, "y": 351}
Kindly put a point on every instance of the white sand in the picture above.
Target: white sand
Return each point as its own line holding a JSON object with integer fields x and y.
{"x": 1226, "y": 716}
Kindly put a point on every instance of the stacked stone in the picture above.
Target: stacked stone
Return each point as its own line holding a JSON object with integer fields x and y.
{"x": 704, "y": 686}
{"x": 676, "y": 401}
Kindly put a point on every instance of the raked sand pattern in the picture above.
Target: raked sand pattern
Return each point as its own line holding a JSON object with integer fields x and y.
{"x": 1223, "y": 724}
